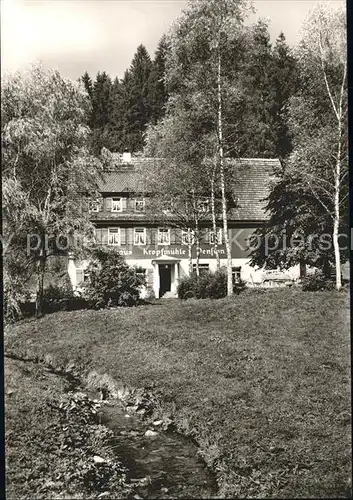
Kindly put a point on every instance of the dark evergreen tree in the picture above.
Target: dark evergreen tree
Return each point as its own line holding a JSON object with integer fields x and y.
{"x": 285, "y": 75}
{"x": 255, "y": 110}
{"x": 158, "y": 91}
{"x": 101, "y": 100}
{"x": 137, "y": 90}
{"x": 117, "y": 128}
{"x": 87, "y": 81}
{"x": 101, "y": 111}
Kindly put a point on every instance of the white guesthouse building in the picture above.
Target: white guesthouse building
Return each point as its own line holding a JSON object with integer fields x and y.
{"x": 122, "y": 222}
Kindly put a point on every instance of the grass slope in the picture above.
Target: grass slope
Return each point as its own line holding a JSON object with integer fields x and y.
{"x": 262, "y": 379}
{"x": 51, "y": 439}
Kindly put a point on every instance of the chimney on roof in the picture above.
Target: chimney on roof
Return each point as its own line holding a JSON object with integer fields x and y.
{"x": 126, "y": 157}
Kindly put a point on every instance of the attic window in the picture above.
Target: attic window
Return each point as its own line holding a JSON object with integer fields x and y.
{"x": 140, "y": 205}
{"x": 117, "y": 205}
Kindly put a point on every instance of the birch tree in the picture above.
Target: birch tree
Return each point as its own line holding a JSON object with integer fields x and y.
{"x": 309, "y": 203}
{"x": 195, "y": 72}
{"x": 319, "y": 117}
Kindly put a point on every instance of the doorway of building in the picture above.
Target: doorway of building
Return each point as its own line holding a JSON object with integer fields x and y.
{"x": 165, "y": 278}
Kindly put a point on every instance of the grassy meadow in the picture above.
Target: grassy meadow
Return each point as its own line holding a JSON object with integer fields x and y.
{"x": 260, "y": 380}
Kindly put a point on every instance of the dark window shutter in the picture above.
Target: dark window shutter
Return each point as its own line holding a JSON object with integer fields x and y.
{"x": 108, "y": 204}
{"x": 104, "y": 235}
{"x": 122, "y": 236}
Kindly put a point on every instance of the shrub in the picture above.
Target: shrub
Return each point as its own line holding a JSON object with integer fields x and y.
{"x": 187, "y": 286}
{"x": 208, "y": 285}
{"x": 316, "y": 282}
{"x": 111, "y": 282}
{"x": 56, "y": 297}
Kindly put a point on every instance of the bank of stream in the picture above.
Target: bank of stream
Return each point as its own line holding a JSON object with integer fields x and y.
{"x": 160, "y": 462}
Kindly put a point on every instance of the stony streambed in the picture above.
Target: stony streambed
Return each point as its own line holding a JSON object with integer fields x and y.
{"x": 162, "y": 463}
{"x": 159, "y": 462}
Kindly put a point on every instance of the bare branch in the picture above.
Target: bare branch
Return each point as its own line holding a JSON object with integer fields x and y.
{"x": 325, "y": 77}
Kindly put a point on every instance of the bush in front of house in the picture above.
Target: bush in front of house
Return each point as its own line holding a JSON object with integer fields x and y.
{"x": 62, "y": 298}
{"x": 207, "y": 285}
{"x": 317, "y": 282}
{"x": 110, "y": 281}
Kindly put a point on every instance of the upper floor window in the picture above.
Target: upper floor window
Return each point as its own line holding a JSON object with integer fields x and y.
{"x": 187, "y": 237}
{"x": 117, "y": 205}
{"x": 139, "y": 236}
{"x": 216, "y": 237}
{"x": 140, "y": 205}
{"x": 163, "y": 236}
{"x": 114, "y": 236}
{"x": 167, "y": 208}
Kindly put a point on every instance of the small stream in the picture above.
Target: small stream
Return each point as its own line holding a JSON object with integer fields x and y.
{"x": 167, "y": 462}
{"x": 169, "y": 459}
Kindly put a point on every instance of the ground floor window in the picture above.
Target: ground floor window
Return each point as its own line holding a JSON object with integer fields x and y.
{"x": 236, "y": 274}
{"x": 114, "y": 236}
{"x": 81, "y": 276}
{"x": 139, "y": 236}
{"x": 203, "y": 268}
{"x": 141, "y": 272}
{"x": 163, "y": 236}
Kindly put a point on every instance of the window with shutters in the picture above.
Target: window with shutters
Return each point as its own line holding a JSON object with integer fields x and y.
{"x": 163, "y": 236}
{"x": 114, "y": 236}
{"x": 139, "y": 236}
{"x": 215, "y": 237}
{"x": 187, "y": 237}
{"x": 117, "y": 205}
{"x": 141, "y": 272}
{"x": 140, "y": 205}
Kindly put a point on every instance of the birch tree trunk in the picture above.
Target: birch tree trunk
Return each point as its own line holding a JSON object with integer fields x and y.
{"x": 336, "y": 219}
{"x": 222, "y": 179}
{"x": 190, "y": 253}
{"x": 338, "y": 111}
{"x": 214, "y": 221}
{"x": 197, "y": 241}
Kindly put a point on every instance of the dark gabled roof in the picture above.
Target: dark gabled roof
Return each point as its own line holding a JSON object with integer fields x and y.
{"x": 252, "y": 178}
{"x": 125, "y": 176}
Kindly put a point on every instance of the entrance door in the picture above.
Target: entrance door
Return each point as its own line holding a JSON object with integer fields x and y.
{"x": 165, "y": 278}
